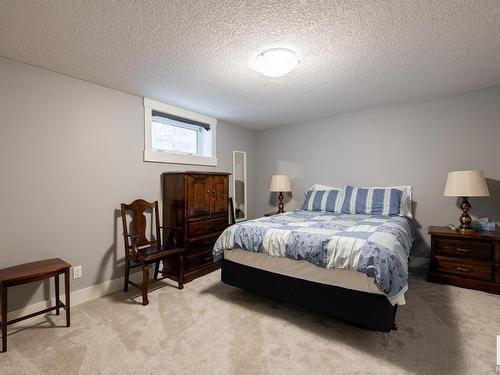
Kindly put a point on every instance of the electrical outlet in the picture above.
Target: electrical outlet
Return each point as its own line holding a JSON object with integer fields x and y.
{"x": 77, "y": 272}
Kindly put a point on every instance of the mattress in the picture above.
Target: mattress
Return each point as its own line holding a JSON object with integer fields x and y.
{"x": 304, "y": 270}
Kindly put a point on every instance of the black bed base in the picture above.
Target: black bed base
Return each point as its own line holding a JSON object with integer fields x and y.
{"x": 371, "y": 311}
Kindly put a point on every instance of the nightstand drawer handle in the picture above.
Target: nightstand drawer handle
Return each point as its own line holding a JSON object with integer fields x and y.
{"x": 464, "y": 250}
{"x": 463, "y": 269}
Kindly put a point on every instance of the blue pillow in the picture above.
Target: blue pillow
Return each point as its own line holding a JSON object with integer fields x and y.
{"x": 372, "y": 201}
{"x": 323, "y": 200}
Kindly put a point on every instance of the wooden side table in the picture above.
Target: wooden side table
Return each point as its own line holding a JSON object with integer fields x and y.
{"x": 30, "y": 272}
{"x": 468, "y": 260}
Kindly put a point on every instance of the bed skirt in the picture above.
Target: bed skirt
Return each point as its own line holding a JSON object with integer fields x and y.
{"x": 366, "y": 310}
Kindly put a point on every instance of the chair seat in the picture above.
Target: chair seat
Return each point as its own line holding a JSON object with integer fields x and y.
{"x": 152, "y": 253}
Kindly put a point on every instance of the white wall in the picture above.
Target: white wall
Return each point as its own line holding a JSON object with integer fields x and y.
{"x": 405, "y": 145}
{"x": 70, "y": 153}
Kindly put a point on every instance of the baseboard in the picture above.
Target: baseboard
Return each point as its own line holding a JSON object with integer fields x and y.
{"x": 78, "y": 296}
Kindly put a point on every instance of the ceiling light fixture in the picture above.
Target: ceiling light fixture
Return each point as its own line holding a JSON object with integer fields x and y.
{"x": 275, "y": 62}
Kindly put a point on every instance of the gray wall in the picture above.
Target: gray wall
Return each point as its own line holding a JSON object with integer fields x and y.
{"x": 405, "y": 145}
{"x": 70, "y": 152}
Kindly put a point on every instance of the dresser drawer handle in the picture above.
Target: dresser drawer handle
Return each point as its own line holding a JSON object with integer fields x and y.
{"x": 464, "y": 251}
{"x": 463, "y": 269}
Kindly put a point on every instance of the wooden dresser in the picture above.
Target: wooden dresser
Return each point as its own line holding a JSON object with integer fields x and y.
{"x": 197, "y": 204}
{"x": 470, "y": 260}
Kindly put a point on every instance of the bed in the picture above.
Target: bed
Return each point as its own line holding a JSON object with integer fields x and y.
{"x": 351, "y": 266}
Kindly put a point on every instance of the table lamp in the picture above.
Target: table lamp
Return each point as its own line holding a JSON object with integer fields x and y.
{"x": 466, "y": 184}
{"x": 280, "y": 183}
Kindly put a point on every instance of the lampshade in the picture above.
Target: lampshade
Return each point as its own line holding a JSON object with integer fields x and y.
{"x": 280, "y": 183}
{"x": 466, "y": 184}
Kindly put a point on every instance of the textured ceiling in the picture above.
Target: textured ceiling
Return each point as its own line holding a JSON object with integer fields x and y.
{"x": 194, "y": 54}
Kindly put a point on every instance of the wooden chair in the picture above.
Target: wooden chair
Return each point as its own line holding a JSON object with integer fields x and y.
{"x": 141, "y": 252}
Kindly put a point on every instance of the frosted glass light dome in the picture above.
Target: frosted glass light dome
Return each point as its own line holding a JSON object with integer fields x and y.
{"x": 276, "y": 62}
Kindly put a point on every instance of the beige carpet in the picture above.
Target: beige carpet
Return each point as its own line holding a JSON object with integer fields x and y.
{"x": 212, "y": 328}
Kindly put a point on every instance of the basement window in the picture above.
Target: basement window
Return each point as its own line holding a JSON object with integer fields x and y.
{"x": 175, "y": 135}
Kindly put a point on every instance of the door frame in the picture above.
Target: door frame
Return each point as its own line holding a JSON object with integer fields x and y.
{"x": 244, "y": 153}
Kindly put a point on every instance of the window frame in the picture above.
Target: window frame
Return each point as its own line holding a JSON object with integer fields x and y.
{"x": 176, "y": 157}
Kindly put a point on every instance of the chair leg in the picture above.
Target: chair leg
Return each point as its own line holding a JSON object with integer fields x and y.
{"x": 145, "y": 281}
{"x": 157, "y": 268}
{"x": 127, "y": 273}
{"x": 180, "y": 284}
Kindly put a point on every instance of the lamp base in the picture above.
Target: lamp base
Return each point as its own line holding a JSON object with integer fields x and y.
{"x": 465, "y": 230}
{"x": 465, "y": 219}
{"x": 281, "y": 205}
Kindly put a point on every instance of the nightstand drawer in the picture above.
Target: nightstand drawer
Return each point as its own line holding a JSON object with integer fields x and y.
{"x": 473, "y": 270}
{"x": 464, "y": 248}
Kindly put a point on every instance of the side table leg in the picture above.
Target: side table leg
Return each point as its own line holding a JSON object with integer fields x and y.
{"x": 67, "y": 301}
{"x": 56, "y": 279}
{"x": 4, "y": 319}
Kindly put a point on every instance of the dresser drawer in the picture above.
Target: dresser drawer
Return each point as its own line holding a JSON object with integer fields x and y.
{"x": 199, "y": 228}
{"x": 199, "y": 259}
{"x": 464, "y": 248}
{"x": 473, "y": 270}
{"x": 201, "y": 243}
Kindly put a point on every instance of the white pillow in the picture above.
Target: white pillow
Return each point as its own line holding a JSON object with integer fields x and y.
{"x": 323, "y": 187}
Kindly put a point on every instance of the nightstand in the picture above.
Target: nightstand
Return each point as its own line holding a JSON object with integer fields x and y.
{"x": 468, "y": 260}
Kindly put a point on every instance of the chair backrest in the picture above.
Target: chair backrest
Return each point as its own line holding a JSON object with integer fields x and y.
{"x": 138, "y": 209}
